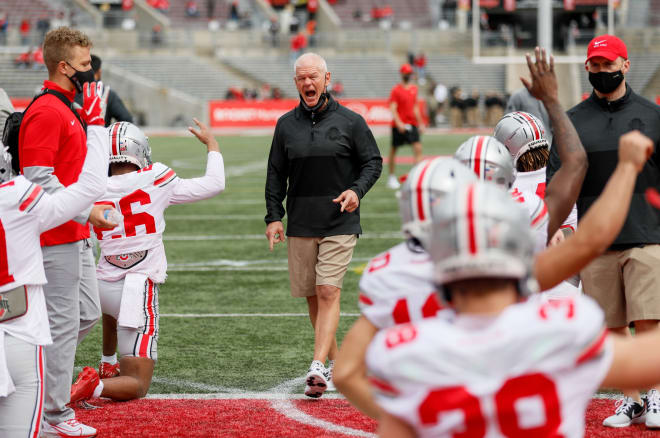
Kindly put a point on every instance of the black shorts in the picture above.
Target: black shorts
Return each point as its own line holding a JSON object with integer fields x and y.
{"x": 409, "y": 136}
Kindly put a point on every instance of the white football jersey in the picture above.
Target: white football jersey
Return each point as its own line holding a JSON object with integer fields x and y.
{"x": 529, "y": 371}
{"x": 533, "y": 183}
{"x": 142, "y": 197}
{"x": 397, "y": 287}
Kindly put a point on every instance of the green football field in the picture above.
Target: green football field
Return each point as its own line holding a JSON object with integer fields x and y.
{"x": 221, "y": 324}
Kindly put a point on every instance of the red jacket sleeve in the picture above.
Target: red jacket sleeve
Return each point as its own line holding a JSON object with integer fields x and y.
{"x": 393, "y": 96}
{"x": 39, "y": 138}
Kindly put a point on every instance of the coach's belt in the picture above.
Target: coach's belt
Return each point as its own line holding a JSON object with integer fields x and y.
{"x": 126, "y": 261}
{"x": 13, "y": 303}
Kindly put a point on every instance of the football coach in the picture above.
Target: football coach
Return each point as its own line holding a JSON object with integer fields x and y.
{"x": 329, "y": 158}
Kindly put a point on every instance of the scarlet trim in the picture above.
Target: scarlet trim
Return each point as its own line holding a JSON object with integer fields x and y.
{"x": 115, "y": 149}
{"x": 167, "y": 176}
{"x": 145, "y": 169}
{"x": 477, "y": 156}
{"x": 151, "y": 322}
{"x": 593, "y": 350}
{"x": 567, "y": 226}
{"x": 383, "y": 386}
{"x": 472, "y": 235}
{"x": 37, "y": 428}
{"x": 7, "y": 184}
{"x": 365, "y": 299}
{"x": 33, "y": 195}
{"x": 420, "y": 197}
{"x": 540, "y": 216}
{"x": 531, "y": 121}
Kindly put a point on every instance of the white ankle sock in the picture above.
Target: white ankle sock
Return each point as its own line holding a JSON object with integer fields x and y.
{"x": 109, "y": 359}
{"x": 98, "y": 390}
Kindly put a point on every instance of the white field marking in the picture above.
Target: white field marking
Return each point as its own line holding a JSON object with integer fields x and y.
{"x": 231, "y": 171}
{"x": 259, "y": 217}
{"x": 242, "y": 263}
{"x": 284, "y": 406}
{"x": 607, "y": 396}
{"x": 238, "y": 396}
{"x": 243, "y": 315}
{"x": 385, "y": 235}
{"x": 228, "y": 268}
{"x": 224, "y": 200}
{"x": 196, "y": 385}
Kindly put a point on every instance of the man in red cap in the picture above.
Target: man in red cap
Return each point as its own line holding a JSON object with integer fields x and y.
{"x": 406, "y": 120}
{"x": 625, "y": 280}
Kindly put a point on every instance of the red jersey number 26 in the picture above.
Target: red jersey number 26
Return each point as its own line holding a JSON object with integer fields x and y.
{"x": 132, "y": 220}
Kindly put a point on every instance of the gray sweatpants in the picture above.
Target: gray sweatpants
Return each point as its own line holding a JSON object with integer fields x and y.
{"x": 72, "y": 299}
{"x": 20, "y": 412}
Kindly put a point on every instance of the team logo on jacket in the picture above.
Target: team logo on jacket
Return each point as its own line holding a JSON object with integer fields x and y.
{"x": 333, "y": 133}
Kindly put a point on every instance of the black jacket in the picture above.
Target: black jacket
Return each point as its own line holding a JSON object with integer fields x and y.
{"x": 321, "y": 155}
{"x": 599, "y": 124}
{"x": 115, "y": 110}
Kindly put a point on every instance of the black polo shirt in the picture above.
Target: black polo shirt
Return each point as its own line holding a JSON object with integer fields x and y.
{"x": 320, "y": 155}
{"x": 600, "y": 123}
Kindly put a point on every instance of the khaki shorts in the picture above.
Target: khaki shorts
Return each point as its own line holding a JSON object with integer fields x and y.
{"x": 314, "y": 261}
{"x": 626, "y": 284}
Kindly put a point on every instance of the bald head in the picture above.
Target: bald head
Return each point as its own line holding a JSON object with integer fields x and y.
{"x": 310, "y": 60}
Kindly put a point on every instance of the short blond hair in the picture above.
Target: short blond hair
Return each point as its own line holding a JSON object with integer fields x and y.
{"x": 58, "y": 44}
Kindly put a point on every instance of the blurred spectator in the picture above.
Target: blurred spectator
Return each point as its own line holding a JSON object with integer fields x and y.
{"x": 277, "y": 93}
{"x": 336, "y": 89}
{"x": 24, "y": 30}
{"x": 472, "y": 109}
{"x": 274, "y": 31}
{"x": 312, "y": 7}
{"x": 357, "y": 14}
{"x": 494, "y": 108}
{"x": 4, "y": 24}
{"x": 43, "y": 26}
{"x": 456, "y": 108}
{"x": 233, "y": 11}
{"x": 160, "y": 5}
{"x": 440, "y": 93}
{"x": 156, "y": 35}
{"x": 60, "y": 20}
{"x": 210, "y": 8}
{"x": 192, "y": 9}
{"x": 24, "y": 60}
{"x": 311, "y": 32}
{"x": 235, "y": 93}
{"x": 264, "y": 91}
{"x": 38, "y": 59}
{"x": 298, "y": 45}
{"x": 279, "y": 4}
{"x": 420, "y": 66}
{"x": 127, "y": 5}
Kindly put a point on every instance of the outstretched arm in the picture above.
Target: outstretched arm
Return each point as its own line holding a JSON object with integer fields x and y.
{"x": 350, "y": 371}
{"x": 213, "y": 181}
{"x": 563, "y": 191}
{"x": 603, "y": 221}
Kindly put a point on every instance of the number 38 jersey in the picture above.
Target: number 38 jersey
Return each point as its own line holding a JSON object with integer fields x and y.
{"x": 396, "y": 287}
{"x": 529, "y": 371}
{"x": 136, "y": 244}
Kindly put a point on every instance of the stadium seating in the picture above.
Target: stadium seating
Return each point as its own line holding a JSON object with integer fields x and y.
{"x": 188, "y": 74}
{"x": 414, "y": 11}
{"x": 19, "y": 83}
{"x": 452, "y": 70}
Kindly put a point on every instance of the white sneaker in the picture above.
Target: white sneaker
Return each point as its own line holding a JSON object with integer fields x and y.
{"x": 393, "y": 183}
{"x": 316, "y": 381}
{"x": 653, "y": 409}
{"x": 328, "y": 376}
{"x": 67, "y": 428}
{"x": 627, "y": 412}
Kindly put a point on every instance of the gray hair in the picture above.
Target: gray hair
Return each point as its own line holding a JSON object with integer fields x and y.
{"x": 321, "y": 62}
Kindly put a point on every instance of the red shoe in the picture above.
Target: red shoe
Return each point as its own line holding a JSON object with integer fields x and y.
{"x": 85, "y": 384}
{"x": 107, "y": 371}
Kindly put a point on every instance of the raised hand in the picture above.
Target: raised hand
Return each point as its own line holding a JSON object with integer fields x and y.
{"x": 95, "y": 103}
{"x": 204, "y": 135}
{"x": 544, "y": 81}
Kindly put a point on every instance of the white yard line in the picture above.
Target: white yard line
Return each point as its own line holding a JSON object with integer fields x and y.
{"x": 243, "y": 263}
{"x": 184, "y": 238}
{"x": 227, "y": 268}
{"x": 284, "y": 406}
{"x": 222, "y": 199}
{"x": 231, "y": 171}
{"x": 238, "y": 396}
{"x": 243, "y": 315}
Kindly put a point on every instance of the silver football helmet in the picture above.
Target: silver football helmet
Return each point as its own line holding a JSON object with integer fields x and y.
{"x": 520, "y": 132}
{"x": 489, "y": 159}
{"x": 6, "y": 172}
{"x": 479, "y": 231}
{"x": 427, "y": 184}
{"x": 128, "y": 144}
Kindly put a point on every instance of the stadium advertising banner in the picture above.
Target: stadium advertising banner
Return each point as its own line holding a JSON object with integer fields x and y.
{"x": 236, "y": 113}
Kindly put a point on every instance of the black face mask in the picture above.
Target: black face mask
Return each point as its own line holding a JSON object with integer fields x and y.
{"x": 405, "y": 78}
{"x": 323, "y": 98}
{"x": 80, "y": 77}
{"x": 606, "y": 82}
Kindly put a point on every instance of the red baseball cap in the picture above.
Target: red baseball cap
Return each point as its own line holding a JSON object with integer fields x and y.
{"x": 406, "y": 69}
{"x": 607, "y": 46}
